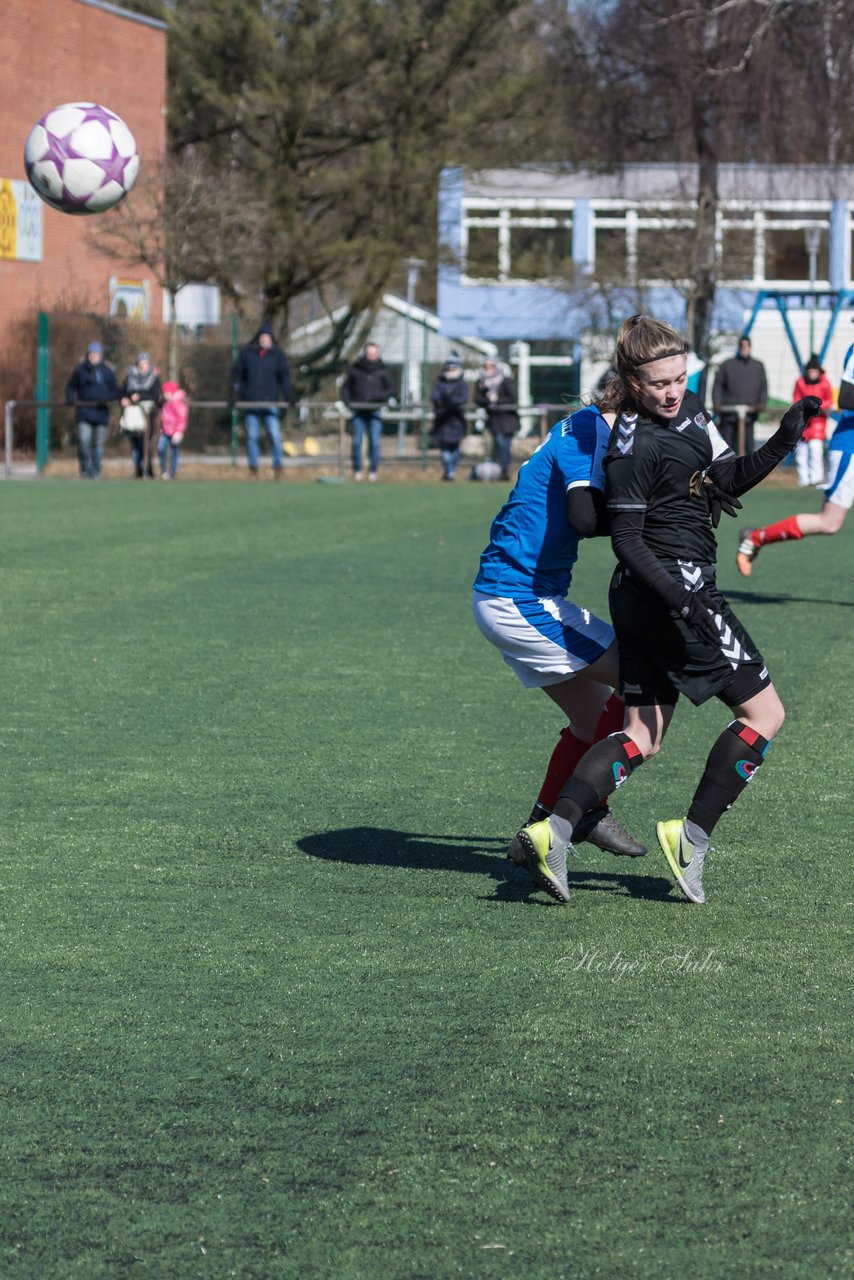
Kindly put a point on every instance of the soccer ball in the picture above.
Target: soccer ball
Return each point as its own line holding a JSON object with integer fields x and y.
{"x": 81, "y": 158}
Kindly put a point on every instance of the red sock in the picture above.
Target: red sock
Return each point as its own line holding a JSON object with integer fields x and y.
{"x": 569, "y": 750}
{"x": 783, "y": 531}
{"x": 562, "y": 765}
{"x": 611, "y": 719}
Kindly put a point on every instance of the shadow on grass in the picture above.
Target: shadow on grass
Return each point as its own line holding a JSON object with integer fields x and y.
{"x": 422, "y": 851}
{"x": 760, "y": 597}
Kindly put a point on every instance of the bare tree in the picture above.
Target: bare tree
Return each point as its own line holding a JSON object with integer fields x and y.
{"x": 187, "y": 223}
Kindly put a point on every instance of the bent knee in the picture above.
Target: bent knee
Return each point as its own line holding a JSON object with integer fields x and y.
{"x": 833, "y": 518}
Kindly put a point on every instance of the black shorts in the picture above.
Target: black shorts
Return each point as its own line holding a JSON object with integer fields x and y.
{"x": 661, "y": 657}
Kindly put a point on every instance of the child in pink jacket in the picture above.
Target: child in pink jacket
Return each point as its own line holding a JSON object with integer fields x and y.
{"x": 173, "y": 424}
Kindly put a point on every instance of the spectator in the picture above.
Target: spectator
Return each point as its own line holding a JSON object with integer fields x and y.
{"x": 809, "y": 451}
{"x": 173, "y": 424}
{"x": 261, "y": 374}
{"x": 740, "y": 382}
{"x": 496, "y": 393}
{"x": 367, "y": 386}
{"x": 142, "y": 396}
{"x": 92, "y": 386}
{"x": 450, "y": 395}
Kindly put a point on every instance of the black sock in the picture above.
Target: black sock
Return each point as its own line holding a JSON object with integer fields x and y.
{"x": 600, "y": 771}
{"x": 732, "y": 762}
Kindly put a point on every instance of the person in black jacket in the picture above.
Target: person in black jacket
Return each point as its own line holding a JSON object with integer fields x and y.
{"x": 367, "y": 386}
{"x": 261, "y": 374}
{"x": 496, "y": 393}
{"x": 450, "y": 395}
{"x": 740, "y": 381}
{"x": 668, "y": 475}
{"x": 92, "y": 386}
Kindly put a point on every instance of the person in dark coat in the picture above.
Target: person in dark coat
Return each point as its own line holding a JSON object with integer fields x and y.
{"x": 367, "y": 386}
{"x": 92, "y": 386}
{"x": 740, "y": 381}
{"x": 496, "y": 393}
{"x": 450, "y": 395}
{"x": 261, "y": 373}
{"x": 142, "y": 387}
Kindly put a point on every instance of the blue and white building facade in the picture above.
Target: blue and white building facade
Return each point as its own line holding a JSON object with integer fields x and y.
{"x": 556, "y": 255}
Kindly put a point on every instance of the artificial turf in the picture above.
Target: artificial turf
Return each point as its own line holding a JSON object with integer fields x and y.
{"x": 276, "y": 1005}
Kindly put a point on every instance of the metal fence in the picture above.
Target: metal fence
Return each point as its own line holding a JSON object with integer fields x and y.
{"x": 314, "y": 432}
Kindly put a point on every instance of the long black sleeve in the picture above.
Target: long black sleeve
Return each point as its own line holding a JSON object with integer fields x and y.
{"x": 643, "y": 564}
{"x": 586, "y": 512}
{"x": 737, "y": 475}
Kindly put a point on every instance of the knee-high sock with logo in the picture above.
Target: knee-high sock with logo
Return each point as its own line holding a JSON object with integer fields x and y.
{"x": 570, "y": 750}
{"x": 605, "y": 766}
{"x": 733, "y": 760}
{"x": 787, "y": 530}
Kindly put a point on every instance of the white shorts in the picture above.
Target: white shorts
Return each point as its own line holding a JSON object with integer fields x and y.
{"x": 545, "y": 639}
{"x": 839, "y": 488}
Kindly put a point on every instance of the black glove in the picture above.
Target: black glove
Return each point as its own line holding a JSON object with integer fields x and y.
{"x": 695, "y": 612}
{"x": 720, "y": 501}
{"x": 794, "y": 420}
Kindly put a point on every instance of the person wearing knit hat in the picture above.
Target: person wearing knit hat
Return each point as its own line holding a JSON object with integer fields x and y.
{"x": 91, "y": 387}
{"x": 261, "y": 377}
{"x": 496, "y": 393}
{"x": 450, "y": 395}
{"x": 809, "y": 451}
{"x": 142, "y": 396}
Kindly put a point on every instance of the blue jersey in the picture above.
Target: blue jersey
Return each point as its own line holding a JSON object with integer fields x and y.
{"x": 532, "y": 547}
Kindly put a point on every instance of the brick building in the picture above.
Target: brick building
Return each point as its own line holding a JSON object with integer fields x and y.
{"x": 55, "y": 51}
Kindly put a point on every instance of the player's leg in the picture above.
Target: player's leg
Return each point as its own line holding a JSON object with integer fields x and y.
{"x": 554, "y": 644}
{"x": 594, "y": 711}
{"x": 542, "y": 846}
{"x": 733, "y": 760}
{"x": 838, "y": 500}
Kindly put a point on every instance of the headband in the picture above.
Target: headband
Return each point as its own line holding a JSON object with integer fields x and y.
{"x": 681, "y": 351}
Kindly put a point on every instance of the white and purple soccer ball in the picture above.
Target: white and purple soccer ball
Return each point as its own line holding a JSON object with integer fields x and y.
{"x": 81, "y": 158}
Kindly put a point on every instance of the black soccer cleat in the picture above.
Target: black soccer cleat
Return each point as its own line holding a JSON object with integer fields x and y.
{"x": 600, "y": 827}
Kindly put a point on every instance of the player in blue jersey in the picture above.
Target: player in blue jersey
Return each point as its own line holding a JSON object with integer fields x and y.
{"x": 668, "y": 475}
{"x": 838, "y": 489}
{"x": 521, "y": 606}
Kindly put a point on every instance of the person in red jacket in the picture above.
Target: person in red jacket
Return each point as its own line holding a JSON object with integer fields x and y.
{"x": 809, "y": 451}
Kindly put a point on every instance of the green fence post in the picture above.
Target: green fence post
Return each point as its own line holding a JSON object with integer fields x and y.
{"x": 43, "y": 392}
{"x": 235, "y": 416}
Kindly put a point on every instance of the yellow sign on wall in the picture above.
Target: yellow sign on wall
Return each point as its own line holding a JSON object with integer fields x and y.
{"x": 20, "y": 222}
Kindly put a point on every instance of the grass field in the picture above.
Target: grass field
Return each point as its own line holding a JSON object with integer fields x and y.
{"x": 276, "y": 1005}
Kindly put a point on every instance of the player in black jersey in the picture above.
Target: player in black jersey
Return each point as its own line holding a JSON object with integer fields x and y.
{"x": 669, "y": 475}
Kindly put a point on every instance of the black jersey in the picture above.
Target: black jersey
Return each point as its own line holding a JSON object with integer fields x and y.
{"x": 657, "y": 468}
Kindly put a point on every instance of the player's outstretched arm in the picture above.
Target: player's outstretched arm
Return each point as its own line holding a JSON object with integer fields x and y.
{"x": 737, "y": 475}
